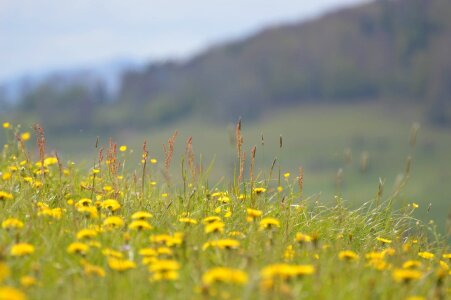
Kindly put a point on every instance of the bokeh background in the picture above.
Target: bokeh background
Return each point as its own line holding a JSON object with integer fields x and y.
{"x": 343, "y": 82}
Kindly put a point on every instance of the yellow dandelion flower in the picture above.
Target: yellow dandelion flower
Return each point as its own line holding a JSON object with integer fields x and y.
{"x": 110, "y": 204}
{"x": 269, "y": 223}
{"x": 5, "y": 196}
{"x": 426, "y": 255}
{"x": 211, "y": 219}
{"x": 259, "y": 190}
{"x": 166, "y": 239}
{"x": 222, "y": 244}
{"x": 406, "y": 275}
{"x": 148, "y": 252}
{"x": 224, "y": 275}
{"x": 121, "y": 265}
{"x": 25, "y": 136}
{"x": 141, "y": 215}
{"x": 112, "y": 253}
{"x": 188, "y": 221}
{"x": 303, "y": 238}
{"x": 153, "y": 161}
{"x": 51, "y": 212}
{"x": 375, "y": 255}
{"x": 139, "y": 225}
{"x": 22, "y": 249}
{"x": 88, "y": 211}
{"x": 28, "y": 281}
{"x": 286, "y": 271}
{"x": 123, "y": 148}
{"x": 113, "y": 222}
{"x": 93, "y": 270}
{"x": 447, "y": 255}
{"x": 83, "y": 202}
{"x": 78, "y": 248}
{"x": 286, "y": 175}
{"x": 217, "y": 226}
{"x": 348, "y": 255}
{"x": 411, "y": 264}
{"x": 4, "y": 271}
{"x": 253, "y": 213}
{"x": 10, "y": 293}
{"x": 164, "y": 266}
{"x": 12, "y": 223}
{"x": 6, "y": 125}
{"x": 6, "y": 176}
{"x": 86, "y": 234}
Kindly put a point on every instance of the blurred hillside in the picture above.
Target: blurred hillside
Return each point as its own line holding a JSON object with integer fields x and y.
{"x": 395, "y": 50}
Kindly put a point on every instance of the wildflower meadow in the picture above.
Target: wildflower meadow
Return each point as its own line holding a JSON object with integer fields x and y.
{"x": 111, "y": 231}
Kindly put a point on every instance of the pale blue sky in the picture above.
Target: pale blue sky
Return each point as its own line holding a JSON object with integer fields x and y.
{"x": 37, "y": 35}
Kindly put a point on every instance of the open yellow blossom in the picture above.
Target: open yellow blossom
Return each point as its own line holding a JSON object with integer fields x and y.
{"x": 12, "y": 223}
{"x": 141, "y": 215}
{"x": 110, "y": 204}
{"x": 90, "y": 270}
{"x": 215, "y": 227}
{"x": 86, "y": 234}
{"x": 51, "y": 212}
{"x": 113, "y": 222}
{"x": 222, "y": 244}
{"x": 78, "y": 248}
{"x": 22, "y": 249}
{"x": 188, "y": 221}
{"x": 6, "y": 125}
{"x": 348, "y": 255}
{"x": 28, "y": 281}
{"x": 447, "y": 255}
{"x": 148, "y": 252}
{"x": 224, "y": 275}
{"x": 211, "y": 219}
{"x": 411, "y": 264}
{"x": 123, "y": 148}
{"x": 108, "y": 252}
{"x": 25, "y": 136}
{"x": 6, "y": 176}
{"x": 139, "y": 225}
{"x": 166, "y": 239}
{"x": 259, "y": 190}
{"x": 406, "y": 275}
{"x": 303, "y": 238}
{"x": 164, "y": 266}
{"x": 120, "y": 265}
{"x": 5, "y": 196}
{"x": 426, "y": 255}
{"x": 10, "y": 293}
{"x": 253, "y": 213}
{"x": 286, "y": 271}
{"x": 88, "y": 211}
{"x": 269, "y": 223}
{"x": 5, "y": 271}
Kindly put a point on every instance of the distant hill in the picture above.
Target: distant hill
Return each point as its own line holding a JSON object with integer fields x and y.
{"x": 382, "y": 51}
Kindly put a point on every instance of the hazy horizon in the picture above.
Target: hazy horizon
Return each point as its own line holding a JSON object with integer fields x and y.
{"x": 39, "y": 36}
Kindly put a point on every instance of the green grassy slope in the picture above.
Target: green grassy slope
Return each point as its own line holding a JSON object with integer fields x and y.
{"x": 315, "y": 137}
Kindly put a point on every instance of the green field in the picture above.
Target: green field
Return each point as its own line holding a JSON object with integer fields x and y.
{"x": 118, "y": 227}
{"x": 314, "y": 137}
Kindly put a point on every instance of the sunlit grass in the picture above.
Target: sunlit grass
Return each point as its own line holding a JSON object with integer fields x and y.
{"x": 162, "y": 232}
